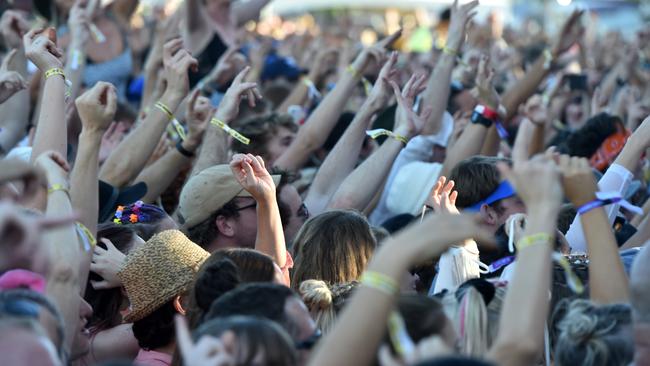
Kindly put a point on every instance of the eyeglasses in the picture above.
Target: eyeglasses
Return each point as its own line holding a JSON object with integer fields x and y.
{"x": 310, "y": 342}
{"x": 303, "y": 212}
{"x": 252, "y": 205}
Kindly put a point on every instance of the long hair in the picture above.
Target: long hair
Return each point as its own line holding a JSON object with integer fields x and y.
{"x": 324, "y": 302}
{"x": 334, "y": 247}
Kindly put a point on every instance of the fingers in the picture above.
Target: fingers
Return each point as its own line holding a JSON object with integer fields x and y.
{"x": 388, "y": 41}
{"x": 108, "y": 243}
{"x": 242, "y": 74}
{"x": 99, "y": 285}
{"x": 171, "y": 47}
{"x": 192, "y": 103}
{"x": 59, "y": 160}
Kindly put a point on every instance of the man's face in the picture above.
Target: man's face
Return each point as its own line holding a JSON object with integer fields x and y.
{"x": 81, "y": 343}
{"x": 278, "y": 144}
{"x": 22, "y": 347}
{"x": 296, "y": 310}
{"x": 508, "y": 207}
{"x": 245, "y": 226}
{"x": 299, "y": 213}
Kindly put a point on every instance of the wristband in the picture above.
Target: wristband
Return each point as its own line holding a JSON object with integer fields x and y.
{"x": 501, "y": 130}
{"x": 177, "y": 125}
{"x": 571, "y": 278}
{"x": 380, "y": 282}
{"x": 548, "y": 59}
{"x": 97, "y": 35}
{"x": 399, "y": 337}
{"x": 86, "y": 236}
{"x": 353, "y": 71}
{"x": 498, "y": 264}
{"x": 53, "y": 72}
{"x": 449, "y": 51}
{"x": 313, "y": 90}
{"x": 487, "y": 112}
{"x": 535, "y": 239}
{"x": 374, "y": 134}
{"x": 604, "y": 199}
{"x": 58, "y": 188}
{"x": 183, "y": 151}
{"x": 236, "y": 135}
{"x": 478, "y": 118}
{"x": 367, "y": 85}
{"x": 76, "y": 59}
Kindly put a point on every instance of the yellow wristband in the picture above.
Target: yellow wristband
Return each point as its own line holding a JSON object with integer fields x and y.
{"x": 374, "y": 134}
{"x": 58, "y": 188}
{"x": 530, "y": 240}
{"x": 160, "y": 105}
{"x": 236, "y": 135}
{"x": 380, "y": 282}
{"x": 53, "y": 72}
{"x": 353, "y": 71}
{"x": 86, "y": 236}
{"x": 450, "y": 51}
{"x": 400, "y": 138}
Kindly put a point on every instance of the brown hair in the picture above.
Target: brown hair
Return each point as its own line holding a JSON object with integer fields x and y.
{"x": 260, "y": 130}
{"x": 324, "y": 302}
{"x": 334, "y": 247}
{"x": 224, "y": 270}
{"x": 423, "y": 316}
{"x": 476, "y": 179}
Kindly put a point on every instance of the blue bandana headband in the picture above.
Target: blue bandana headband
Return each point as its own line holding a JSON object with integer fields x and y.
{"x": 504, "y": 190}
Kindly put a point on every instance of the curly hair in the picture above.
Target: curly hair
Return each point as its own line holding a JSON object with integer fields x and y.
{"x": 260, "y": 130}
{"x": 156, "y": 329}
{"x": 586, "y": 141}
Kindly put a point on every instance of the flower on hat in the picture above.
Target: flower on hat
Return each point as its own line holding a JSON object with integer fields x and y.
{"x": 133, "y": 218}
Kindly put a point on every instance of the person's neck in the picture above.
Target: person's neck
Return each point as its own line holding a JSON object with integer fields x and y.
{"x": 642, "y": 344}
{"x": 168, "y": 349}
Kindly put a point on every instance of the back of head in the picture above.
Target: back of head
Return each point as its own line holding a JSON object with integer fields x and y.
{"x": 476, "y": 179}
{"x": 145, "y": 219}
{"x": 324, "y": 302}
{"x": 423, "y": 316}
{"x": 253, "y": 337}
{"x": 106, "y": 303}
{"x": 334, "y": 247}
{"x": 254, "y": 266}
{"x": 585, "y": 141}
{"x": 264, "y": 300}
{"x": 591, "y": 335}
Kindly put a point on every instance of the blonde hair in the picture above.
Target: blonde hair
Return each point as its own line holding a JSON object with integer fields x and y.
{"x": 324, "y": 302}
{"x": 334, "y": 247}
{"x": 475, "y": 322}
{"x": 594, "y": 335}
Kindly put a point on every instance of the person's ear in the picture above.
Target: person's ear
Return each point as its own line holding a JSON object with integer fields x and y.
{"x": 178, "y": 305}
{"x": 225, "y": 226}
{"x": 489, "y": 215}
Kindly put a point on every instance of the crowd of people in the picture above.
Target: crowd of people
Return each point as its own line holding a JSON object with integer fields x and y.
{"x": 178, "y": 189}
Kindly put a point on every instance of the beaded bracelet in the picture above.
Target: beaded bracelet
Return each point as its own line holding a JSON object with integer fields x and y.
{"x": 534, "y": 239}
{"x": 236, "y": 135}
{"x": 380, "y": 282}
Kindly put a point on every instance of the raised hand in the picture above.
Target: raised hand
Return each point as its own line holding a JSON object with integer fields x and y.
{"x": 97, "y": 107}
{"x": 111, "y": 138}
{"x": 199, "y": 112}
{"x": 13, "y": 25}
{"x": 536, "y": 110}
{"x": 537, "y": 183}
{"x": 487, "y": 94}
{"x": 55, "y": 167}
{"x": 376, "y": 52}
{"x": 79, "y": 22}
{"x": 40, "y": 48}
{"x": 229, "y": 106}
{"x": 11, "y": 82}
{"x": 177, "y": 62}
{"x": 106, "y": 263}
{"x": 408, "y": 122}
{"x": 228, "y": 65}
{"x": 251, "y": 173}
{"x": 208, "y": 351}
{"x": 382, "y": 90}
{"x": 572, "y": 30}
{"x": 460, "y": 17}
{"x": 578, "y": 179}
{"x": 443, "y": 197}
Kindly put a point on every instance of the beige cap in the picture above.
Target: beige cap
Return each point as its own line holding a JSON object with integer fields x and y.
{"x": 207, "y": 192}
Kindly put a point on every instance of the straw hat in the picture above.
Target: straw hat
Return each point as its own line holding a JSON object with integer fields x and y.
{"x": 157, "y": 271}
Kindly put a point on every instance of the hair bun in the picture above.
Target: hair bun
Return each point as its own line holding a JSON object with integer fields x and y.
{"x": 316, "y": 294}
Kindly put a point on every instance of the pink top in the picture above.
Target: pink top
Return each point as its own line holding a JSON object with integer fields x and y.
{"x": 152, "y": 358}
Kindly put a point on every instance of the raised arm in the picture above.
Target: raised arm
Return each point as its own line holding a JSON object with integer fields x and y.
{"x": 300, "y": 93}
{"x": 361, "y": 326}
{"x": 437, "y": 91}
{"x": 251, "y": 173}
{"x": 471, "y": 140}
{"x": 521, "y": 327}
{"x": 245, "y": 11}
{"x": 341, "y": 160}
{"x": 195, "y": 19}
{"x": 96, "y": 109}
{"x": 65, "y": 249}
{"x": 159, "y": 175}
{"x": 607, "y": 280}
{"x": 360, "y": 187}
{"x": 42, "y": 51}
{"x": 119, "y": 169}
{"x": 215, "y": 145}
{"x": 78, "y": 23}
{"x": 313, "y": 134}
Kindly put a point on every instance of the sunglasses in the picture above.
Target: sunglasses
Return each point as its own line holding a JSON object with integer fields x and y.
{"x": 303, "y": 212}
{"x": 252, "y": 205}
{"x": 310, "y": 342}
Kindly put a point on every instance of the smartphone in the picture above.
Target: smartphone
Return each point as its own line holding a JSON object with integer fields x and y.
{"x": 577, "y": 82}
